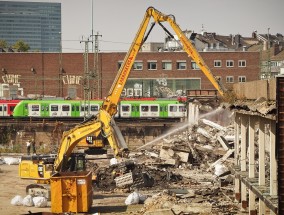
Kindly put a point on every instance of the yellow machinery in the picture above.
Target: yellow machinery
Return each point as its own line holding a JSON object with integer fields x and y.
{"x": 102, "y": 126}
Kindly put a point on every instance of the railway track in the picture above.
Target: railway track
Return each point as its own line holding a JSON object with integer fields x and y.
{"x": 120, "y": 121}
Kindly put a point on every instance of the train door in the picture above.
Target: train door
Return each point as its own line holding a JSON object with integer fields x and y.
{"x": 75, "y": 110}
{"x": 34, "y": 110}
{"x": 3, "y": 110}
{"x": 44, "y": 109}
{"x": 151, "y": 110}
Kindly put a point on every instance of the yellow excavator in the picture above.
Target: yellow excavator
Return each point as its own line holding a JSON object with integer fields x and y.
{"x": 102, "y": 126}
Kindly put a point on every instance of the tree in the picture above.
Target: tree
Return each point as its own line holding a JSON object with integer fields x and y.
{"x": 3, "y": 44}
{"x": 21, "y": 46}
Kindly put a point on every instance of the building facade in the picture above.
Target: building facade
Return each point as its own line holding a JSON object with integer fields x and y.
{"x": 36, "y": 23}
{"x": 154, "y": 74}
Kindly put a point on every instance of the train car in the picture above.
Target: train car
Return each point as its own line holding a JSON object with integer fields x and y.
{"x": 56, "y": 108}
{"x": 152, "y": 109}
{"x": 7, "y": 107}
{"x": 139, "y": 108}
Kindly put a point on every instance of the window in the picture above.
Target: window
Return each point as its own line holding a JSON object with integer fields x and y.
{"x": 167, "y": 65}
{"x": 119, "y": 64}
{"x": 125, "y": 108}
{"x": 230, "y": 63}
{"x": 65, "y": 108}
{"x": 230, "y": 79}
{"x": 144, "y": 108}
{"x": 54, "y": 108}
{"x": 152, "y": 65}
{"x": 173, "y": 108}
{"x": 181, "y": 65}
{"x": 242, "y": 63}
{"x": 1, "y": 108}
{"x": 84, "y": 108}
{"x": 94, "y": 108}
{"x": 242, "y": 78}
{"x": 194, "y": 65}
{"x": 138, "y": 66}
{"x": 217, "y": 63}
{"x": 35, "y": 107}
{"x": 181, "y": 108}
{"x": 154, "y": 109}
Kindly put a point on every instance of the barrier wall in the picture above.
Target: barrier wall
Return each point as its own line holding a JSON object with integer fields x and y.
{"x": 256, "y": 89}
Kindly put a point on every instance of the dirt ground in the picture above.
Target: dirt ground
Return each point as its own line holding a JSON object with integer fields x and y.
{"x": 11, "y": 185}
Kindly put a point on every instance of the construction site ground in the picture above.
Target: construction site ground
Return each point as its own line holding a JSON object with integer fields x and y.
{"x": 104, "y": 202}
{"x": 11, "y": 185}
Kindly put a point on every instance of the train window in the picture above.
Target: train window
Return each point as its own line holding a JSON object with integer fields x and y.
{"x": 54, "y": 108}
{"x": 144, "y": 108}
{"x": 125, "y": 108}
{"x": 173, "y": 108}
{"x": 46, "y": 108}
{"x": 12, "y": 108}
{"x": 65, "y": 107}
{"x": 0, "y": 108}
{"x": 26, "y": 106}
{"x": 42, "y": 108}
{"x": 5, "y": 108}
{"x": 154, "y": 108}
{"x": 35, "y": 107}
{"x": 94, "y": 108}
{"x": 77, "y": 108}
{"x": 84, "y": 108}
{"x": 182, "y": 109}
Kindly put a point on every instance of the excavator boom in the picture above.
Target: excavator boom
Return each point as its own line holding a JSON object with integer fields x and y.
{"x": 110, "y": 103}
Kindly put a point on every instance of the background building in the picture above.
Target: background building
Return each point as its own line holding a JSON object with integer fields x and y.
{"x": 154, "y": 74}
{"x": 36, "y": 23}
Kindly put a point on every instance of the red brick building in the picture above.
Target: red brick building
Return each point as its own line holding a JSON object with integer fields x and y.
{"x": 153, "y": 74}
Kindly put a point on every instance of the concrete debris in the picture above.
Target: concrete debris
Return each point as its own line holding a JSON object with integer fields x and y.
{"x": 190, "y": 165}
{"x": 213, "y": 124}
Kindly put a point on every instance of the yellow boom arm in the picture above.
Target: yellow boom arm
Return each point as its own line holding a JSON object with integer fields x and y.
{"x": 110, "y": 103}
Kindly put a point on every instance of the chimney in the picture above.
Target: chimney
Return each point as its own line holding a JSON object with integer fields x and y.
{"x": 238, "y": 40}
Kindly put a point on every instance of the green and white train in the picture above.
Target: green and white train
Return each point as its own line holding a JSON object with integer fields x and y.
{"x": 134, "y": 108}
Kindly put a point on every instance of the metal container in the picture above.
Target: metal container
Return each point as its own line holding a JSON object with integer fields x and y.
{"x": 71, "y": 192}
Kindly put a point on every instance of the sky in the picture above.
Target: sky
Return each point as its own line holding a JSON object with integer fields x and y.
{"x": 117, "y": 21}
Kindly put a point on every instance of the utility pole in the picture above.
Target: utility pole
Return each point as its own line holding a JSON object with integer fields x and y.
{"x": 86, "y": 80}
{"x": 96, "y": 73}
{"x": 60, "y": 83}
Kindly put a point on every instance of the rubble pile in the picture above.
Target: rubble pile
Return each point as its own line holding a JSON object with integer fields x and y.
{"x": 201, "y": 145}
{"x": 208, "y": 201}
{"x": 143, "y": 176}
{"x": 185, "y": 172}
